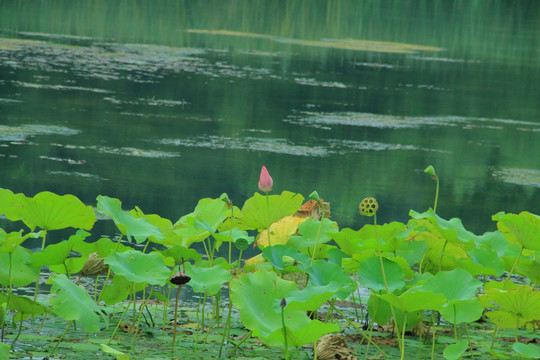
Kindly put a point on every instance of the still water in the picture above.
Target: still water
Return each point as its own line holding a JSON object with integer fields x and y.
{"x": 162, "y": 103}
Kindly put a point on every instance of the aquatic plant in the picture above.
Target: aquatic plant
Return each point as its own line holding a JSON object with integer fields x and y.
{"x": 428, "y": 272}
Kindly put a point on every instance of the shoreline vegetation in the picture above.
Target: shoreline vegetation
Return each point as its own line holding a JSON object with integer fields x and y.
{"x": 431, "y": 289}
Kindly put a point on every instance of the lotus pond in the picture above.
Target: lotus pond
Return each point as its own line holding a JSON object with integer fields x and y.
{"x": 425, "y": 289}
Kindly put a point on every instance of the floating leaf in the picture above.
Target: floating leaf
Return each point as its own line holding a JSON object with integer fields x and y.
{"x": 50, "y": 211}
{"x": 455, "y": 351}
{"x": 4, "y": 351}
{"x": 139, "y": 228}
{"x": 528, "y": 350}
{"x": 109, "y": 350}
{"x": 258, "y": 215}
{"x": 138, "y": 267}
{"x": 207, "y": 279}
{"x": 73, "y": 303}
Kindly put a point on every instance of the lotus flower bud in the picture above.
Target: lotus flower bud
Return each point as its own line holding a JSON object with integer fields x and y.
{"x": 283, "y": 303}
{"x": 368, "y": 206}
{"x": 314, "y": 196}
{"x": 265, "y": 180}
{"x": 288, "y": 261}
{"x": 430, "y": 170}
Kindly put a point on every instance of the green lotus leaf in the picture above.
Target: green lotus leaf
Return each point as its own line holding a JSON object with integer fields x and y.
{"x": 72, "y": 302}
{"x": 257, "y": 214}
{"x": 23, "y": 304}
{"x": 309, "y": 230}
{"x": 457, "y": 284}
{"x": 527, "y": 350}
{"x": 311, "y": 297}
{"x": 352, "y": 242}
{"x": 209, "y": 279}
{"x": 119, "y": 290}
{"x": 182, "y": 253}
{"x": 138, "y": 267}
{"x": 22, "y": 273}
{"x": 50, "y": 211}
{"x": 522, "y": 229}
{"x": 274, "y": 254}
{"x": 9, "y": 241}
{"x": 4, "y": 351}
{"x": 378, "y": 309}
{"x": 56, "y": 254}
{"x": 371, "y": 274}
{"x": 415, "y": 300}
{"x": 165, "y": 226}
{"x": 412, "y": 251}
{"x": 483, "y": 262}
{"x": 109, "y": 350}
{"x": 138, "y": 228}
{"x": 455, "y": 351}
{"x": 462, "y": 311}
{"x": 516, "y": 306}
{"x": 323, "y": 273}
{"x": 255, "y": 295}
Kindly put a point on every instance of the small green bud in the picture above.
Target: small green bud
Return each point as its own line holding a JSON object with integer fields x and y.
{"x": 368, "y": 206}
{"x": 288, "y": 261}
{"x": 430, "y": 170}
{"x": 314, "y": 196}
{"x": 225, "y": 198}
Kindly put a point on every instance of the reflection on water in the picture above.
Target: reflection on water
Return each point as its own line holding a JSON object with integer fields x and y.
{"x": 161, "y": 104}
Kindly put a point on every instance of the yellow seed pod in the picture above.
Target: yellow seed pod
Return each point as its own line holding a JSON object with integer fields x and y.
{"x": 368, "y": 206}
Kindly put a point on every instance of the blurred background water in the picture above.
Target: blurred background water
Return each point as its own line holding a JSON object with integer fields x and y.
{"x": 162, "y": 103}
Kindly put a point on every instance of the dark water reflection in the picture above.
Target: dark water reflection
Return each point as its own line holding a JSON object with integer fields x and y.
{"x": 124, "y": 99}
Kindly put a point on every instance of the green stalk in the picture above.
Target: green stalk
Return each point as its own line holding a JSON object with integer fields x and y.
{"x": 175, "y": 318}
{"x": 513, "y": 267}
{"x": 60, "y": 339}
{"x": 240, "y": 343}
{"x": 285, "y": 335}
{"x": 9, "y": 293}
{"x": 317, "y": 238}
{"x": 360, "y": 331}
{"x": 37, "y": 282}
{"x": 384, "y": 276}
{"x": 108, "y": 273}
{"x": 436, "y": 194}
{"x": 268, "y": 218}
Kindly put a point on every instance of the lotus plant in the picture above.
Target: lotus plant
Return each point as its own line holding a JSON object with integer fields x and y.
{"x": 265, "y": 185}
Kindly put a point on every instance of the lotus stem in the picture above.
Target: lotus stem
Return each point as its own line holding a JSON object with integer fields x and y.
{"x": 268, "y": 218}
{"x": 240, "y": 343}
{"x": 175, "y": 318}
{"x": 317, "y": 238}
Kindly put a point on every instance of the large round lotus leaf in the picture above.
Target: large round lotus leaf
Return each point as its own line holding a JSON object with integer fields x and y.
{"x": 457, "y": 284}
{"x": 462, "y": 311}
{"x": 258, "y": 215}
{"x": 140, "y": 228}
{"x": 312, "y": 233}
{"x": 73, "y": 303}
{"x": 371, "y": 274}
{"x": 412, "y": 301}
{"x": 23, "y": 304}
{"x": 22, "y": 273}
{"x": 274, "y": 254}
{"x": 255, "y": 295}
{"x": 323, "y": 273}
{"x": 519, "y": 304}
{"x": 138, "y": 267}
{"x": 50, "y": 211}
{"x": 522, "y": 229}
{"x": 207, "y": 279}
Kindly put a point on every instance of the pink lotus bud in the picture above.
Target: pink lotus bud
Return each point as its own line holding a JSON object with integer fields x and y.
{"x": 265, "y": 180}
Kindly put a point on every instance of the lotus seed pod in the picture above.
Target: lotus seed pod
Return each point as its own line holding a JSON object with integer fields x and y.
{"x": 288, "y": 261}
{"x": 368, "y": 206}
{"x": 180, "y": 278}
{"x": 241, "y": 243}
